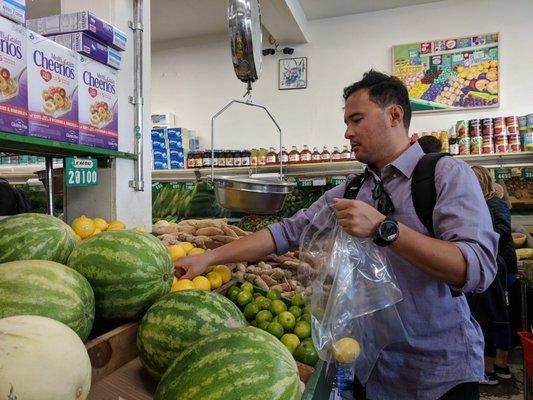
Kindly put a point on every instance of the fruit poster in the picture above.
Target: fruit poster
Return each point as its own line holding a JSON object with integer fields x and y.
{"x": 451, "y": 74}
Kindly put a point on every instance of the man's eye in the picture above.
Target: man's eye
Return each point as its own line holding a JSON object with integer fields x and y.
{"x": 356, "y": 120}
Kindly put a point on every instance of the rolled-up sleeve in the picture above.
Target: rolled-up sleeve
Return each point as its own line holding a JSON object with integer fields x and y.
{"x": 461, "y": 216}
{"x": 287, "y": 232}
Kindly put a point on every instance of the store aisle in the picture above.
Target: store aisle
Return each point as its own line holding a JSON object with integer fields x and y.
{"x": 511, "y": 389}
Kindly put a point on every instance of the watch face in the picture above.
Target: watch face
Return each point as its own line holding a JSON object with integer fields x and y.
{"x": 388, "y": 230}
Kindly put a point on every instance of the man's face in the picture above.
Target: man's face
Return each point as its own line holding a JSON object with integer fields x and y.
{"x": 368, "y": 127}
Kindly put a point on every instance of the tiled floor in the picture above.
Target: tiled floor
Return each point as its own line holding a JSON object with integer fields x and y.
{"x": 511, "y": 389}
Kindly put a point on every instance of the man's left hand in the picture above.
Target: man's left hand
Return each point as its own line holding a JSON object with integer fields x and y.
{"x": 357, "y": 218}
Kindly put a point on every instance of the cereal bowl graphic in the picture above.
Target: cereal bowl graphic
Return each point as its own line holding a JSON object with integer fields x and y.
{"x": 56, "y": 101}
{"x": 9, "y": 86}
{"x": 100, "y": 114}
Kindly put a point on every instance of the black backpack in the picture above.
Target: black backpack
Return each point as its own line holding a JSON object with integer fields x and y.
{"x": 423, "y": 191}
{"x": 12, "y": 200}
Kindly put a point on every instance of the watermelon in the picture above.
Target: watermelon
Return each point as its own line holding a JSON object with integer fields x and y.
{"x": 173, "y": 323}
{"x": 128, "y": 271}
{"x": 244, "y": 363}
{"x": 48, "y": 289}
{"x": 35, "y": 237}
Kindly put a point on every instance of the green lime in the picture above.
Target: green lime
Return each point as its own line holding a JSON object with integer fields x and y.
{"x": 290, "y": 341}
{"x": 295, "y": 310}
{"x": 302, "y": 329}
{"x": 307, "y": 309}
{"x": 244, "y": 298}
{"x": 306, "y": 353}
{"x": 278, "y": 307}
{"x": 309, "y": 339}
{"x": 274, "y": 294}
{"x": 275, "y": 319}
{"x": 232, "y": 293}
{"x": 263, "y": 302}
{"x": 298, "y": 300}
{"x": 287, "y": 320}
{"x": 275, "y": 329}
{"x": 251, "y": 310}
{"x": 263, "y": 325}
{"x": 263, "y": 315}
{"x": 247, "y": 287}
{"x": 305, "y": 317}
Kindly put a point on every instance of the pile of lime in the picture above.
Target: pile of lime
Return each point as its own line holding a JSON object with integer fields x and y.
{"x": 289, "y": 321}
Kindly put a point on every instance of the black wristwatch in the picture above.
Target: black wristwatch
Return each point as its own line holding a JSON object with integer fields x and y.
{"x": 387, "y": 232}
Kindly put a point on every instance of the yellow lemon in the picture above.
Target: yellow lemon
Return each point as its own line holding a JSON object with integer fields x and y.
{"x": 181, "y": 284}
{"x": 201, "y": 282}
{"x": 195, "y": 251}
{"x": 96, "y": 231}
{"x": 224, "y": 272}
{"x": 346, "y": 350}
{"x": 78, "y": 237}
{"x": 116, "y": 225}
{"x": 186, "y": 246}
{"x": 83, "y": 226}
{"x": 214, "y": 279}
{"x": 100, "y": 224}
{"x": 139, "y": 229}
{"x": 176, "y": 252}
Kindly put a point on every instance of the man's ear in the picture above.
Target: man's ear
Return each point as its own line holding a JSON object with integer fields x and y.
{"x": 396, "y": 115}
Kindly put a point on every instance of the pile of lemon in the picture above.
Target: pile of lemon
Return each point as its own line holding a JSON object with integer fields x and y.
{"x": 85, "y": 227}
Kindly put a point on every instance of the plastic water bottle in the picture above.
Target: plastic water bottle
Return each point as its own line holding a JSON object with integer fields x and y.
{"x": 343, "y": 383}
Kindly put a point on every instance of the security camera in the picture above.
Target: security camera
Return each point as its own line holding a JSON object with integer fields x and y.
{"x": 288, "y": 50}
{"x": 267, "y": 52}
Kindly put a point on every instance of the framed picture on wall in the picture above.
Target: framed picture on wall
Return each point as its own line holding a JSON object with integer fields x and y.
{"x": 450, "y": 74}
{"x": 292, "y": 73}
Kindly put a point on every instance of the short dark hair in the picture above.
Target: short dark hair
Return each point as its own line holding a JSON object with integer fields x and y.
{"x": 430, "y": 144}
{"x": 383, "y": 90}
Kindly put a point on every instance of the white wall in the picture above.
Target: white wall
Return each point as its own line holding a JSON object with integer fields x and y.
{"x": 195, "y": 79}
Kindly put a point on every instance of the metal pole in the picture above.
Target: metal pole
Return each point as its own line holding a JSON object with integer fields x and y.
{"x": 49, "y": 165}
{"x": 137, "y": 99}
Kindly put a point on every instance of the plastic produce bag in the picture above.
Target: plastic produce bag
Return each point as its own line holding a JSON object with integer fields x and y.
{"x": 352, "y": 293}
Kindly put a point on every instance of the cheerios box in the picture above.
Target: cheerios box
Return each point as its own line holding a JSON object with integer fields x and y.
{"x": 98, "y": 104}
{"x": 52, "y": 89}
{"x": 13, "y": 78}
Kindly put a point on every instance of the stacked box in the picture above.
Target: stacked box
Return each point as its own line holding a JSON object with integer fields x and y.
{"x": 15, "y": 10}
{"x": 159, "y": 148}
{"x": 176, "y": 137}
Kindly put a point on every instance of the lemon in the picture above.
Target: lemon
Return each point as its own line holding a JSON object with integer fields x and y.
{"x": 176, "y": 252}
{"x": 181, "y": 284}
{"x": 186, "y": 246}
{"x": 215, "y": 279}
{"x": 195, "y": 251}
{"x": 78, "y": 237}
{"x": 346, "y": 350}
{"x": 224, "y": 272}
{"x": 201, "y": 282}
{"x": 139, "y": 229}
{"x": 116, "y": 225}
{"x": 96, "y": 231}
{"x": 100, "y": 224}
{"x": 83, "y": 226}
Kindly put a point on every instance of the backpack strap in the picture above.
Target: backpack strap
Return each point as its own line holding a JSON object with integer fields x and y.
{"x": 353, "y": 186}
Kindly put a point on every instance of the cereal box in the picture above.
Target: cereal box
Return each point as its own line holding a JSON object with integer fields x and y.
{"x": 98, "y": 104}
{"x": 13, "y": 78}
{"x": 15, "y": 10}
{"x": 52, "y": 90}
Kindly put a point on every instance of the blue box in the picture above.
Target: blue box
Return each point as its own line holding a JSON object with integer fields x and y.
{"x": 160, "y": 165}
{"x": 161, "y": 155}
{"x": 176, "y": 153}
{"x": 177, "y": 164}
{"x": 173, "y": 143}
{"x": 157, "y": 145}
{"x": 158, "y": 134}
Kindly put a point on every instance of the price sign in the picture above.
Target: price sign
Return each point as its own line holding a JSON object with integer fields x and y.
{"x": 502, "y": 174}
{"x": 337, "y": 180}
{"x": 527, "y": 173}
{"x": 156, "y": 186}
{"x": 304, "y": 182}
{"x": 80, "y": 172}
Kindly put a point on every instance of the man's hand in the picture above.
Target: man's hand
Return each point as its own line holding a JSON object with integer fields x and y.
{"x": 357, "y": 218}
{"x": 189, "y": 267}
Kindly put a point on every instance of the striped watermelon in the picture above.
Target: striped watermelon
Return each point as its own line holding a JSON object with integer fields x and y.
{"x": 177, "y": 320}
{"x": 35, "y": 237}
{"x": 245, "y": 364}
{"x": 128, "y": 271}
{"x": 48, "y": 289}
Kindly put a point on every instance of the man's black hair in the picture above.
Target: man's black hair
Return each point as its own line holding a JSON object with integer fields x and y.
{"x": 383, "y": 90}
{"x": 430, "y": 144}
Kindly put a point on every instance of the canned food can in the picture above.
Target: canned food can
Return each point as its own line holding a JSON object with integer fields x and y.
{"x": 488, "y": 145}
{"x": 501, "y": 145}
{"x": 488, "y": 129}
{"x": 464, "y": 146}
{"x": 476, "y": 145}
{"x": 522, "y": 123}
{"x": 512, "y": 125}
{"x": 499, "y": 126}
{"x": 474, "y": 127}
{"x": 530, "y": 120}
{"x": 528, "y": 141}
{"x": 514, "y": 143}
{"x": 461, "y": 128}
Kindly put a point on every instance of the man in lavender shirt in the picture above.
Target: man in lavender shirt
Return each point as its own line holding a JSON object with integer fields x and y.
{"x": 443, "y": 357}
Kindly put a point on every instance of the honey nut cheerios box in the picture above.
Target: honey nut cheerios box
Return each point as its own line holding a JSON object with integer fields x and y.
{"x": 98, "y": 104}
{"x": 52, "y": 90}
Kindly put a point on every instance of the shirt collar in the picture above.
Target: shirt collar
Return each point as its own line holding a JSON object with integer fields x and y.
{"x": 407, "y": 161}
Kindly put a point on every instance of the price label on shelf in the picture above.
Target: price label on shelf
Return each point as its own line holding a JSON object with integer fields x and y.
{"x": 156, "y": 186}
{"x": 502, "y": 174}
{"x": 80, "y": 172}
{"x": 321, "y": 181}
{"x": 337, "y": 180}
{"x": 527, "y": 173}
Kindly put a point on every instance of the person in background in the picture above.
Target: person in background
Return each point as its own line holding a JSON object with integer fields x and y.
{"x": 490, "y": 307}
{"x": 443, "y": 358}
{"x": 429, "y": 144}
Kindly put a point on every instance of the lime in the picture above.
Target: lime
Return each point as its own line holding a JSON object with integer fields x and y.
{"x": 277, "y": 307}
{"x": 298, "y": 300}
{"x": 275, "y": 329}
{"x": 287, "y": 320}
{"x": 302, "y": 329}
{"x": 244, "y": 298}
{"x": 290, "y": 341}
{"x": 305, "y": 317}
{"x": 307, "y": 309}
{"x": 263, "y": 315}
{"x": 263, "y": 325}
{"x": 263, "y": 302}
{"x": 232, "y": 293}
{"x": 251, "y": 310}
{"x": 275, "y": 319}
{"x": 306, "y": 353}
{"x": 247, "y": 287}
{"x": 309, "y": 339}
{"x": 346, "y": 350}
{"x": 296, "y": 311}
{"x": 274, "y": 294}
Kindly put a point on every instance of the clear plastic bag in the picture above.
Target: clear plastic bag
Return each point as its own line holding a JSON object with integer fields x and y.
{"x": 352, "y": 293}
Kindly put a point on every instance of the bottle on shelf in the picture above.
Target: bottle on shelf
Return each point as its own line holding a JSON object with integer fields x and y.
{"x": 206, "y": 161}
{"x": 199, "y": 159}
{"x": 325, "y": 156}
{"x": 283, "y": 156}
{"x": 254, "y": 161}
{"x": 335, "y": 155}
{"x": 237, "y": 158}
{"x": 191, "y": 161}
{"x": 315, "y": 156}
{"x": 305, "y": 155}
{"x": 454, "y": 146}
{"x": 229, "y": 158}
{"x": 245, "y": 158}
{"x": 222, "y": 159}
{"x": 346, "y": 153}
{"x": 271, "y": 157}
{"x": 215, "y": 158}
{"x": 294, "y": 156}
{"x": 444, "y": 142}
{"x": 261, "y": 156}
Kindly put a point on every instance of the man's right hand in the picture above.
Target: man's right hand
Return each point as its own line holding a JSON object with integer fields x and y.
{"x": 189, "y": 267}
